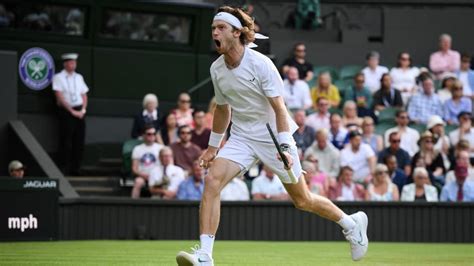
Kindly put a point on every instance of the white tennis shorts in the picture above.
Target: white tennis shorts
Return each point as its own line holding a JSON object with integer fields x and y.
{"x": 247, "y": 152}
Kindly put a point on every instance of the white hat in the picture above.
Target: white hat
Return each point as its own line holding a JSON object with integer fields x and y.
{"x": 435, "y": 120}
{"x": 15, "y": 165}
{"x": 69, "y": 56}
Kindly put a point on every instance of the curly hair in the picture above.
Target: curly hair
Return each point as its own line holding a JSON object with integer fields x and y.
{"x": 248, "y": 26}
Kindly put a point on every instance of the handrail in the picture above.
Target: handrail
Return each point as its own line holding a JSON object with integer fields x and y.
{"x": 199, "y": 85}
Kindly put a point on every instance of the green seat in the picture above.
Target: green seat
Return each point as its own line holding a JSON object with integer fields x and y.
{"x": 382, "y": 127}
{"x": 418, "y": 127}
{"x": 349, "y": 71}
{"x": 387, "y": 114}
{"x": 127, "y": 149}
{"x": 333, "y": 71}
{"x": 342, "y": 85}
{"x": 449, "y": 128}
{"x": 333, "y": 110}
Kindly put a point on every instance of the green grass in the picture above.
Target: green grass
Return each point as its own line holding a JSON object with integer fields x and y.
{"x": 230, "y": 253}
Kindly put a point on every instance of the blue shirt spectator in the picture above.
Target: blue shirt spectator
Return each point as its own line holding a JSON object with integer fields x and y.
{"x": 193, "y": 186}
{"x": 457, "y": 104}
{"x": 425, "y": 104}
{"x": 466, "y": 75}
{"x": 450, "y": 191}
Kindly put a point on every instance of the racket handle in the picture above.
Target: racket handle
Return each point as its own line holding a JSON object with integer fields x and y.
{"x": 292, "y": 176}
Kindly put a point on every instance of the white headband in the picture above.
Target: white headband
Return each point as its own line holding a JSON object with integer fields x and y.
{"x": 229, "y": 18}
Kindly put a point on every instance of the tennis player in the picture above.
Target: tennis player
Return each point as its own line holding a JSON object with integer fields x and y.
{"x": 249, "y": 84}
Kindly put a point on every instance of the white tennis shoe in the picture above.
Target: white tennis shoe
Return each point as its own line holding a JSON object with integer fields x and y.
{"x": 357, "y": 237}
{"x": 196, "y": 258}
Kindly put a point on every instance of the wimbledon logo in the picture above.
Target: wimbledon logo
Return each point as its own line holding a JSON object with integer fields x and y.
{"x": 36, "y": 68}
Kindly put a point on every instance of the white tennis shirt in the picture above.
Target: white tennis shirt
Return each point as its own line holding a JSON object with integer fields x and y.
{"x": 246, "y": 88}
{"x": 71, "y": 85}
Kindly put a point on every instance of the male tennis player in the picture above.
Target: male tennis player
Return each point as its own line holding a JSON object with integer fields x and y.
{"x": 248, "y": 83}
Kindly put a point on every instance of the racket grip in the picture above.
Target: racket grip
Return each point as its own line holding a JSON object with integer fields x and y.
{"x": 292, "y": 176}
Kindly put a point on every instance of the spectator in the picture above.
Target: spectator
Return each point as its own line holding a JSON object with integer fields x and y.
{"x": 149, "y": 115}
{"x": 296, "y": 92}
{"x": 304, "y": 135}
{"x": 210, "y": 112}
{"x": 387, "y": 96}
{"x": 462, "y": 160}
{"x": 447, "y": 82}
{"x": 316, "y": 180}
{"x": 464, "y": 131}
{"x": 402, "y": 156}
{"x": 373, "y": 72}
{"x": 185, "y": 152}
{"x": 337, "y": 133}
{"x": 144, "y": 159}
{"x": 397, "y": 175}
{"x": 324, "y": 153}
{"x": 184, "y": 112}
{"x": 466, "y": 75}
{"x": 460, "y": 189}
{"x": 71, "y": 96}
{"x": 320, "y": 119}
{"x": 457, "y": 104}
{"x": 361, "y": 95}
{"x": 382, "y": 188}
{"x": 462, "y": 145}
{"x": 193, "y": 186}
{"x": 349, "y": 116}
{"x": 201, "y": 133}
{"x": 429, "y": 158}
{"x": 436, "y": 127}
{"x": 346, "y": 189}
{"x": 404, "y": 76}
{"x": 360, "y": 157}
{"x": 409, "y": 136}
{"x": 326, "y": 89}
{"x": 16, "y": 169}
{"x": 425, "y": 104}
{"x": 268, "y": 186}
{"x": 369, "y": 137}
{"x": 305, "y": 69}
{"x": 166, "y": 178}
{"x": 308, "y": 14}
{"x": 169, "y": 131}
{"x": 420, "y": 190}
{"x": 235, "y": 190}
{"x": 444, "y": 60}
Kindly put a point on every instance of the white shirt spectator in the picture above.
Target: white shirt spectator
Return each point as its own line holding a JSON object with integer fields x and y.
{"x": 372, "y": 77}
{"x": 235, "y": 190}
{"x": 297, "y": 95}
{"x": 147, "y": 156}
{"x": 358, "y": 160}
{"x": 405, "y": 79}
{"x": 466, "y": 88}
{"x": 171, "y": 180}
{"x": 71, "y": 85}
{"x": 317, "y": 121}
{"x": 409, "y": 139}
{"x": 409, "y": 190}
{"x": 328, "y": 159}
{"x": 454, "y": 138}
{"x": 264, "y": 185}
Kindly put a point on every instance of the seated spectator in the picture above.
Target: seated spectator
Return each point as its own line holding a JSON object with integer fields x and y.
{"x": 144, "y": 159}
{"x": 447, "y": 82}
{"x": 466, "y": 75}
{"x": 16, "y": 169}
{"x": 320, "y": 118}
{"x": 387, "y": 96}
{"x": 316, "y": 180}
{"x": 235, "y": 190}
{"x": 184, "y": 112}
{"x": 361, "y": 95}
{"x": 425, "y": 104}
{"x": 404, "y": 76}
{"x": 326, "y": 89}
{"x": 324, "y": 153}
{"x": 463, "y": 145}
{"x": 166, "y": 178}
{"x": 268, "y": 186}
{"x": 337, "y": 133}
{"x": 210, "y": 112}
{"x": 408, "y": 136}
{"x": 397, "y": 176}
{"x": 360, "y": 157}
{"x": 349, "y": 116}
{"x": 464, "y": 131}
{"x": 420, "y": 190}
{"x": 429, "y": 158}
{"x": 457, "y": 104}
{"x": 369, "y": 137}
{"x": 402, "y": 157}
{"x": 193, "y": 186}
{"x": 436, "y": 127}
{"x": 381, "y": 188}
{"x": 308, "y": 14}
{"x": 444, "y": 60}
{"x": 460, "y": 189}
{"x": 295, "y": 91}
{"x": 462, "y": 160}
{"x": 149, "y": 115}
{"x": 373, "y": 71}
{"x": 305, "y": 68}
{"x": 304, "y": 135}
{"x": 346, "y": 189}
{"x": 201, "y": 133}
{"x": 169, "y": 131}
{"x": 185, "y": 152}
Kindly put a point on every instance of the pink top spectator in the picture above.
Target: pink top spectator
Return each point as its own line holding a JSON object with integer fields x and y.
{"x": 448, "y": 61}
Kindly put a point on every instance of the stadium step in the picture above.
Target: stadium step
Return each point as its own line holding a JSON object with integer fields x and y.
{"x": 97, "y": 185}
{"x": 101, "y": 170}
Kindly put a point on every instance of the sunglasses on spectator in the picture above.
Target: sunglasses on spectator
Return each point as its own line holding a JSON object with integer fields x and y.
{"x": 185, "y": 101}
{"x": 405, "y": 58}
{"x": 300, "y": 50}
{"x": 381, "y": 173}
{"x": 359, "y": 81}
{"x": 150, "y": 133}
{"x": 428, "y": 141}
{"x": 403, "y": 117}
{"x": 185, "y": 132}
{"x": 395, "y": 141}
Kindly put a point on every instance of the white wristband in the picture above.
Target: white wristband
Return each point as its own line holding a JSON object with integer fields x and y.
{"x": 215, "y": 139}
{"x": 285, "y": 137}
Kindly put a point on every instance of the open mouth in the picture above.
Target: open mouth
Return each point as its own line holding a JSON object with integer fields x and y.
{"x": 218, "y": 43}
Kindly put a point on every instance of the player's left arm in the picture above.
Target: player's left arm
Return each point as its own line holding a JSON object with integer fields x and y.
{"x": 283, "y": 127}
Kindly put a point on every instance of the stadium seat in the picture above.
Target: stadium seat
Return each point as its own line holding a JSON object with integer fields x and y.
{"x": 349, "y": 71}
{"x": 381, "y": 127}
{"x": 387, "y": 114}
{"x": 449, "y": 128}
{"x": 332, "y": 70}
{"x": 342, "y": 85}
{"x": 127, "y": 149}
{"x": 418, "y": 127}
{"x": 333, "y": 110}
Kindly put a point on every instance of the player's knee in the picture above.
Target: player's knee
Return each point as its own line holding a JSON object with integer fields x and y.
{"x": 302, "y": 203}
{"x": 213, "y": 183}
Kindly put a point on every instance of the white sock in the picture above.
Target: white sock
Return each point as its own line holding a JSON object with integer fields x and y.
{"x": 207, "y": 243}
{"x": 346, "y": 222}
